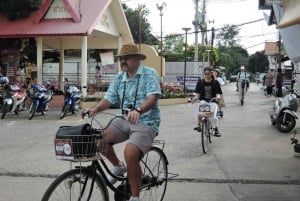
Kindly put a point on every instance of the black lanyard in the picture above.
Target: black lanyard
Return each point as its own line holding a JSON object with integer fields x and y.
{"x": 136, "y": 91}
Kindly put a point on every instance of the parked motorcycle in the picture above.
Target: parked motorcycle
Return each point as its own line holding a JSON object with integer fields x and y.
{"x": 41, "y": 97}
{"x": 72, "y": 101}
{"x": 284, "y": 113}
{"x": 13, "y": 99}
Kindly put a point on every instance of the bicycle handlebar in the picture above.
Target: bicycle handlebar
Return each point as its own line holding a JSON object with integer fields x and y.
{"x": 100, "y": 130}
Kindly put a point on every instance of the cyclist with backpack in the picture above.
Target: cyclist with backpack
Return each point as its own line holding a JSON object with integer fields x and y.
{"x": 242, "y": 84}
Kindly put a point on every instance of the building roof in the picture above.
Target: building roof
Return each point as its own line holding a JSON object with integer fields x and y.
{"x": 65, "y": 18}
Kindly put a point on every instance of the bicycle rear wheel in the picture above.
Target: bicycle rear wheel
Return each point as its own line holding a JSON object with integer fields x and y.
{"x": 204, "y": 136}
{"x": 155, "y": 175}
{"x": 77, "y": 184}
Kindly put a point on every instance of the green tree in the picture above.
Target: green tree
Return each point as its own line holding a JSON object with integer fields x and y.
{"x": 258, "y": 62}
{"x": 16, "y": 9}
{"x": 228, "y": 35}
{"x": 174, "y": 47}
{"x": 135, "y": 18}
{"x": 230, "y": 58}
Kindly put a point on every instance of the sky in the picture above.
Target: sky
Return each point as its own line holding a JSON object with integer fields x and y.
{"x": 180, "y": 13}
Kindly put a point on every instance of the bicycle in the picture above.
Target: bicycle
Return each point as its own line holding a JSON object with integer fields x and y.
{"x": 243, "y": 86}
{"x": 205, "y": 111}
{"x": 90, "y": 182}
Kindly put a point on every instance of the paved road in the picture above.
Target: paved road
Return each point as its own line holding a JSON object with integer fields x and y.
{"x": 251, "y": 161}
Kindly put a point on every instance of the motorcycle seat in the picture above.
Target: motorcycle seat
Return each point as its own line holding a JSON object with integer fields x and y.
{"x": 20, "y": 94}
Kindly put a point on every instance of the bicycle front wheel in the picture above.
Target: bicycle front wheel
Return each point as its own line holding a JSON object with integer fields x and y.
{"x": 243, "y": 96}
{"x": 155, "y": 175}
{"x": 204, "y": 135}
{"x": 77, "y": 184}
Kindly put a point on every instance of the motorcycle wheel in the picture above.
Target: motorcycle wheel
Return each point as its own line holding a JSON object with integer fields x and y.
{"x": 5, "y": 109}
{"x": 32, "y": 111}
{"x": 286, "y": 126}
{"x": 64, "y": 110}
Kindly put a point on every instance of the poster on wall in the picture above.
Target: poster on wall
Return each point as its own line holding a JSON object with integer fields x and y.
{"x": 107, "y": 61}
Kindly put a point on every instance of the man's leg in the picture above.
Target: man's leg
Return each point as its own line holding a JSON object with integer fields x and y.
{"x": 109, "y": 151}
{"x": 134, "y": 173}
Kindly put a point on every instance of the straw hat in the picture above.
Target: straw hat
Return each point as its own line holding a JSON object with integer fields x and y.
{"x": 131, "y": 50}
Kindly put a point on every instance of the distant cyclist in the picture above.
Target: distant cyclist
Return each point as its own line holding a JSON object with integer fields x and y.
{"x": 206, "y": 89}
{"x": 243, "y": 77}
{"x": 242, "y": 84}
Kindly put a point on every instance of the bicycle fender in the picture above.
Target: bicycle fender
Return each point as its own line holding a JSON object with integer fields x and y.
{"x": 156, "y": 147}
{"x": 292, "y": 113}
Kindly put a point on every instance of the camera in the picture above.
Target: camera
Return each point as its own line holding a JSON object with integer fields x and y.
{"x": 129, "y": 108}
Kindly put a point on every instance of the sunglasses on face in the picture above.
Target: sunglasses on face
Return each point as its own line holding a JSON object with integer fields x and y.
{"x": 207, "y": 73}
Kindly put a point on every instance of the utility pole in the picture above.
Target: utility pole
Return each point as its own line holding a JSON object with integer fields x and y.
{"x": 196, "y": 24}
{"x": 203, "y": 25}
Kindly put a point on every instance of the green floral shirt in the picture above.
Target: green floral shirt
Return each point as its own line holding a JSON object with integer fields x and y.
{"x": 132, "y": 92}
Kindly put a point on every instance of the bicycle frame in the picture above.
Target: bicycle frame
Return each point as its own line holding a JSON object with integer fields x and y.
{"x": 242, "y": 90}
{"x": 101, "y": 168}
{"x": 89, "y": 179}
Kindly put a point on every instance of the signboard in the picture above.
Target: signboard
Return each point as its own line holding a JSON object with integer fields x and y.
{"x": 190, "y": 82}
{"x": 63, "y": 149}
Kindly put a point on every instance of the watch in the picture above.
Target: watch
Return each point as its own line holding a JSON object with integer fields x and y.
{"x": 138, "y": 109}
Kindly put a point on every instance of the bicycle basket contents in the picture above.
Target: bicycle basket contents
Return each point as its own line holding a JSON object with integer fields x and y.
{"x": 75, "y": 143}
{"x": 204, "y": 109}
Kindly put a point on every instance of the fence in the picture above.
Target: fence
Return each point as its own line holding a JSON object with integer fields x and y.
{"x": 174, "y": 74}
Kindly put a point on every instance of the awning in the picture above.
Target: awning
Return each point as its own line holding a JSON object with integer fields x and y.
{"x": 290, "y": 36}
{"x": 291, "y": 14}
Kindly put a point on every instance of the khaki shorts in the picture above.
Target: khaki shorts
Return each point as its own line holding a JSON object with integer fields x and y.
{"x": 138, "y": 134}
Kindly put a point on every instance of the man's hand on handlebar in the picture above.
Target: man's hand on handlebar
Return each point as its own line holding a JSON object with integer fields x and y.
{"x": 87, "y": 111}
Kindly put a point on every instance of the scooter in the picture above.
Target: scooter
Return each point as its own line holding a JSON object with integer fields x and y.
{"x": 295, "y": 143}
{"x": 72, "y": 101}
{"x": 41, "y": 97}
{"x": 284, "y": 113}
{"x": 13, "y": 100}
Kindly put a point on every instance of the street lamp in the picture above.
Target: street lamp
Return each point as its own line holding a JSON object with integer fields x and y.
{"x": 184, "y": 72}
{"x": 160, "y": 8}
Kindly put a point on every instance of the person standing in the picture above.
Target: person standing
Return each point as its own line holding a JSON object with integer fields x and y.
{"x": 279, "y": 82}
{"x": 136, "y": 89}
{"x": 98, "y": 78}
{"x": 268, "y": 82}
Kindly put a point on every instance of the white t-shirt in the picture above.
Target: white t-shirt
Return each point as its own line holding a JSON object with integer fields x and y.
{"x": 221, "y": 81}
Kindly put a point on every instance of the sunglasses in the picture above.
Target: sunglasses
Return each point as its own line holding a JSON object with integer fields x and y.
{"x": 207, "y": 73}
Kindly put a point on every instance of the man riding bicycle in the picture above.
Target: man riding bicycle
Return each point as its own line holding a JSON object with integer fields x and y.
{"x": 137, "y": 89}
{"x": 242, "y": 84}
{"x": 207, "y": 89}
